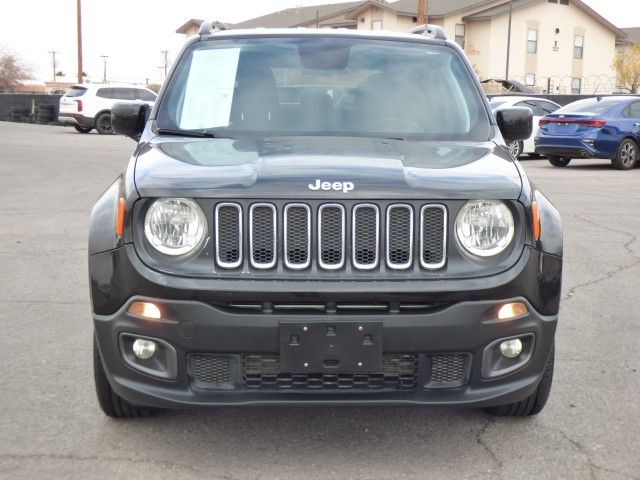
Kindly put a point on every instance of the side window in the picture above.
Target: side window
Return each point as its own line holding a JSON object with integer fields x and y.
{"x": 546, "y": 107}
{"x": 633, "y": 110}
{"x": 104, "y": 93}
{"x": 124, "y": 94}
{"x": 530, "y": 104}
{"x": 144, "y": 95}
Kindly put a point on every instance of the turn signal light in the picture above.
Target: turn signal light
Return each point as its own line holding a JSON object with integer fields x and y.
{"x": 144, "y": 309}
{"x": 120, "y": 218}
{"x": 535, "y": 219}
{"x": 512, "y": 310}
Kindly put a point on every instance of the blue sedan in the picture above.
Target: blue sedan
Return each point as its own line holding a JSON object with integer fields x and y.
{"x": 603, "y": 127}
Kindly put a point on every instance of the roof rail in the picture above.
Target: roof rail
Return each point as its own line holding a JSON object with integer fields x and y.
{"x": 432, "y": 31}
{"x": 207, "y": 27}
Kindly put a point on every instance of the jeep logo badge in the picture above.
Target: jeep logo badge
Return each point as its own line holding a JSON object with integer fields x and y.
{"x": 346, "y": 187}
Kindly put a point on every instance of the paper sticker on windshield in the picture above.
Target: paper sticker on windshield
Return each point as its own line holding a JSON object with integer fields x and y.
{"x": 209, "y": 90}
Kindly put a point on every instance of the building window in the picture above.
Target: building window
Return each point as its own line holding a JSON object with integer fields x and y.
{"x": 576, "y": 85}
{"x": 532, "y": 40}
{"x": 561, "y": 2}
{"x": 530, "y": 79}
{"x": 578, "y": 46}
{"x": 376, "y": 25}
{"x": 461, "y": 29}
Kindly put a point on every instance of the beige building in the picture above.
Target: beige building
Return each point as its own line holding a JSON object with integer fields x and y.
{"x": 560, "y": 46}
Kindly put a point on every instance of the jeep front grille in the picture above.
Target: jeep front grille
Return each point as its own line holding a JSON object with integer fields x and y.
{"x": 324, "y": 236}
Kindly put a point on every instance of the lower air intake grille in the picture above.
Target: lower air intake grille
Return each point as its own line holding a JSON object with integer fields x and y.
{"x": 263, "y": 372}
{"x": 449, "y": 370}
{"x": 210, "y": 370}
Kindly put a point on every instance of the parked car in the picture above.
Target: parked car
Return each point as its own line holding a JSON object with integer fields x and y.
{"x": 88, "y": 106}
{"x": 377, "y": 245}
{"x": 602, "y": 127}
{"x": 539, "y": 108}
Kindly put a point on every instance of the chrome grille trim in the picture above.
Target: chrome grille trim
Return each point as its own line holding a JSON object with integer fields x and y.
{"x": 321, "y": 263}
{"x": 287, "y": 262}
{"x": 354, "y": 235}
{"x": 223, "y": 263}
{"x": 441, "y": 263}
{"x": 254, "y": 263}
{"x": 409, "y": 262}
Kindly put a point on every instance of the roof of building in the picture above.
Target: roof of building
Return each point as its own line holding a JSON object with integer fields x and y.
{"x": 435, "y": 8}
{"x": 192, "y": 22}
{"x": 299, "y": 16}
{"x": 633, "y": 34}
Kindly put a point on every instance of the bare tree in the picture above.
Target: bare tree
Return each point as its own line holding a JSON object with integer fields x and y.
{"x": 12, "y": 71}
{"x": 627, "y": 67}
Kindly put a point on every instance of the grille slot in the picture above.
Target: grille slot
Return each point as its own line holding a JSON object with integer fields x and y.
{"x": 297, "y": 236}
{"x": 331, "y": 236}
{"x": 228, "y": 232}
{"x": 211, "y": 371}
{"x": 433, "y": 236}
{"x": 262, "y": 371}
{"x": 399, "y": 236}
{"x": 262, "y": 235}
{"x": 366, "y": 236}
{"x": 449, "y": 370}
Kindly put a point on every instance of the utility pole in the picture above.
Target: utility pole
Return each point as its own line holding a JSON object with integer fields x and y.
{"x": 166, "y": 62}
{"x": 506, "y": 75}
{"x": 423, "y": 17}
{"x": 79, "y": 14}
{"x": 53, "y": 55}
{"x": 104, "y": 73}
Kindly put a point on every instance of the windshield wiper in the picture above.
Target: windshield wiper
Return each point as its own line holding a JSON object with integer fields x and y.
{"x": 185, "y": 133}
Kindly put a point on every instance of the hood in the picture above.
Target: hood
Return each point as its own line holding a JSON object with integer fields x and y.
{"x": 324, "y": 167}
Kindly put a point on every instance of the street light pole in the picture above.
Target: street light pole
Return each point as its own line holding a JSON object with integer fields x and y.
{"x": 506, "y": 75}
{"x": 53, "y": 55}
{"x": 104, "y": 73}
{"x": 79, "y": 15}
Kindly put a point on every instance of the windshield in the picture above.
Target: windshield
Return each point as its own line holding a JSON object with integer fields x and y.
{"x": 590, "y": 105}
{"x": 324, "y": 86}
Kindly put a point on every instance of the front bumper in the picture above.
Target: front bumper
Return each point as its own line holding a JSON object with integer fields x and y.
{"x": 194, "y": 322}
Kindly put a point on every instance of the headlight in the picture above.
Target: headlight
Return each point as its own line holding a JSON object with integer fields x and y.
{"x": 484, "y": 227}
{"x": 174, "y": 226}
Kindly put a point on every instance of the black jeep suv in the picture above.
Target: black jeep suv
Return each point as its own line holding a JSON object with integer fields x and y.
{"x": 323, "y": 217}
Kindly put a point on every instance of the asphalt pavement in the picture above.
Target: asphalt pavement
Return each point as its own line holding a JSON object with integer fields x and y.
{"x": 51, "y": 426}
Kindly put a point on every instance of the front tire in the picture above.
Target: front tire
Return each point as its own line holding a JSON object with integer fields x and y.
{"x": 515, "y": 148}
{"x": 627, "y": 156}
{"x": 80, "y": 129}
{"x": 103, "y": 124}
{"x": 558, "y": 161}
{"x": 110, "y": 402}
{"x": 534, "y": 403}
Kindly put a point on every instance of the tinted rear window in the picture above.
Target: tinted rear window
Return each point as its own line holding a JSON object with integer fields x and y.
{"x": 590, "y": 105}
{"x": 75, "y": 92}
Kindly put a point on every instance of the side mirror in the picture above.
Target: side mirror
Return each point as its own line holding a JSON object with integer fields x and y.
{"x": 515, "y": 123}
{"x": 129, "y": 118}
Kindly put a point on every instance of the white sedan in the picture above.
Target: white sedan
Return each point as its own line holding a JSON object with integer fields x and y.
{"x": 538, "y": 106}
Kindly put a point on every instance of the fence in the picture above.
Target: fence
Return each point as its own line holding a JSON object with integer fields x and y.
{"x": 567, "y": 85}
{"x": 24, "y": 105}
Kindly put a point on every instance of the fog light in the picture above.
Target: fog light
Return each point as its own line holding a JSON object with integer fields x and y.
{"x": 512, "y": 310}
{"x": 144, "y": 349}
{"x": 144, "y": 309}
{"x": 508, "y": 348}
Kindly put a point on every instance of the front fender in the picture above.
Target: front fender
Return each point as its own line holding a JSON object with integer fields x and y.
{"x": 550, "y": 226}
{"x": 102, "y": 226}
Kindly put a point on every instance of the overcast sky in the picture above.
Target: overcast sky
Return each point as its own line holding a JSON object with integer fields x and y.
{"x": 133, "y": 32}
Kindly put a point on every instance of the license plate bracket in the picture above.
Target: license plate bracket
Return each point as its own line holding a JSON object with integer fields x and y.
{"x": 331, "y": 347}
